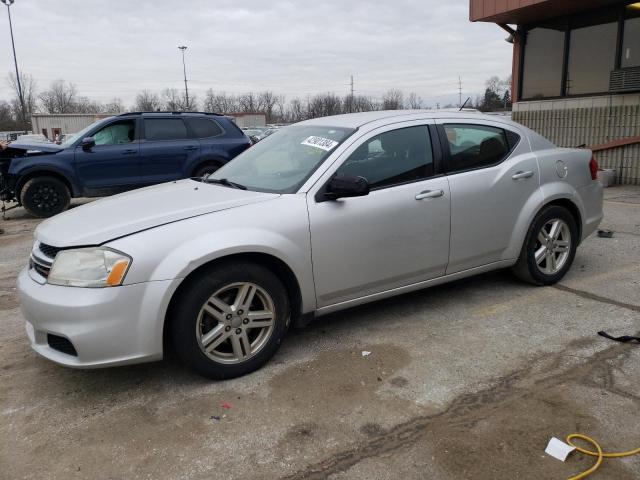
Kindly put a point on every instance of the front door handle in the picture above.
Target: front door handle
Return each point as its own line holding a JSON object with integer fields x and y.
{"x": 430, "y": 194}
{"x": 191, "y": 147}
{"x": 519, "y": 175}
{"x": 129, "y": 152}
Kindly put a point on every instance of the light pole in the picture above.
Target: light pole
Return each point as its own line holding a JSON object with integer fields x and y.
{"x": 184, "y": 68}
{"x": 8, "y": 3}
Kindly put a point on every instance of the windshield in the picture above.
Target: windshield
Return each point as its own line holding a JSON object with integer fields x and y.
{"x": 282, "y": 162}
{"x": 81, "y": 134}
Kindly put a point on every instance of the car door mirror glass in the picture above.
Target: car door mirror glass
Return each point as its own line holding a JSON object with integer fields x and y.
{"x": 88, "y": 143}
{"x": 342, "y": 186}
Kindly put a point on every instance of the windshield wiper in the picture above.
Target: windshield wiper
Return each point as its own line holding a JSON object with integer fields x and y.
{"x": 225, "y": 182}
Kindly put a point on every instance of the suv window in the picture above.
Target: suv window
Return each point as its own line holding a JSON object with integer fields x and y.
{"x": 391, "y": 158}
{"x": 164, "y": 129}
{"x": 475, "y": 146}
{"x": 116, "y": 133}
{"x": 204, "y": 127}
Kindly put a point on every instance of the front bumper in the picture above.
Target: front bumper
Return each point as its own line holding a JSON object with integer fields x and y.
{"x": 107, "y": 326}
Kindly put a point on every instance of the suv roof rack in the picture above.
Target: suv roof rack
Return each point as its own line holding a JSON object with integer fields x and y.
{"x": 169, "y": 112}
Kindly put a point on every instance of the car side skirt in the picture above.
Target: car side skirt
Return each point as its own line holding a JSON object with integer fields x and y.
{"x": 415, "y": 286}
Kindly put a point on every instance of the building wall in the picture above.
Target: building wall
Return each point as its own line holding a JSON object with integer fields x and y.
{"x": 250, "y": 119}
{"x": 591, "y": 121}
{"x": 68, "y": 123}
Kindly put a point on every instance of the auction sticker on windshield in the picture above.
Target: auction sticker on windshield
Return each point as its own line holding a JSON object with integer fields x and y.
{"x": 319, "y": 142}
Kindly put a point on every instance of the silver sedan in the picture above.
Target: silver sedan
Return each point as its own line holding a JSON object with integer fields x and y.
{"x": 318, "y": 217}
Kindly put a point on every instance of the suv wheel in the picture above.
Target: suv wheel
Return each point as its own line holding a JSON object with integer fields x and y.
{"x": 206, "y": 170}
{"x": 230, "y": 320}
{"x": 45, "y": 196}
{"x": 549, "y": 247}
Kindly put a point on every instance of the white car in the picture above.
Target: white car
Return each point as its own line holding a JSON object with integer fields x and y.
{"x": 318, "y": 217}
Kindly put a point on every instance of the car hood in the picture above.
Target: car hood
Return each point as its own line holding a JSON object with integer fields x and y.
{"x": 114, "y": 217}
{"x": 36, "y": 146}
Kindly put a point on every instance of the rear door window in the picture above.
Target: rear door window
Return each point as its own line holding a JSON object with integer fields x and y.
{"x": 164, "y": 129}
{"x": 475, "y": 146}
{"x": 204, "y": 127}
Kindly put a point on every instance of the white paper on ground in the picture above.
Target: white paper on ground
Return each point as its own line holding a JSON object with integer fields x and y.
{"x": 365, "y": 353}
{"x": 558, "y": 449}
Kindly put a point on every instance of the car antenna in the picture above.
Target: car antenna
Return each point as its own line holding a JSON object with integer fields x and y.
{"x": 465, "y": 102}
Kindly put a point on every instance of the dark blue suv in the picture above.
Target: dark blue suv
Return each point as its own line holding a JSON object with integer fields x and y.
{"x": 119, "y": 153}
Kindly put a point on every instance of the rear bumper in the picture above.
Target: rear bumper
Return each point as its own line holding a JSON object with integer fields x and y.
{"x": 592, "y": 201}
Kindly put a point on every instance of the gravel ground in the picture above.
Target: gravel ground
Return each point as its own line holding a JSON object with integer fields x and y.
{"x": 466, "y": 380}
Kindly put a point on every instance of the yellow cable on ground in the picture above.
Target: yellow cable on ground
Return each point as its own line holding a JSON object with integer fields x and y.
{"x": 599, "y": 453}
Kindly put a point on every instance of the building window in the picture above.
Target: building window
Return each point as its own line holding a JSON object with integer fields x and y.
{"x": 592, "y": 52}
{"x": 542, "y": 69}
{"x": 631, "y": 40}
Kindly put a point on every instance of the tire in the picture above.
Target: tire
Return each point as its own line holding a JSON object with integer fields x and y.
{"x": 554, "y": 260}
{"x": 45, "y": 196}
{"x": 208, "y": 340}
{"x": 206, "y": 170}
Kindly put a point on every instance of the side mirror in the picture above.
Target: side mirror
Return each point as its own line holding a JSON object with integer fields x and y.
{"x": 88, "y": 143}
{"x": 342, "y": 186}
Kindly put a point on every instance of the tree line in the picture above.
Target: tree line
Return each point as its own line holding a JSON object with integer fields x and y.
{"x": 63, "y": 97}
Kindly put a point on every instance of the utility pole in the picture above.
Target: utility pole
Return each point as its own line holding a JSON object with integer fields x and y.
{"x": 184, "y": 68}
{"x": 459, "y": 91}
{"x": 8, "y": 3}
{"x": 351, "y": 98}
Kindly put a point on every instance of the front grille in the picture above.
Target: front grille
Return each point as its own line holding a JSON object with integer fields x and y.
{"x": 61, "y": 344}
{"x": 41, "y": 269}
{"x": 49, "y": 251}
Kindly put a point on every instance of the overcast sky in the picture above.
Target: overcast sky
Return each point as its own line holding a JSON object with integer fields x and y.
{"x": 116, "y": 48}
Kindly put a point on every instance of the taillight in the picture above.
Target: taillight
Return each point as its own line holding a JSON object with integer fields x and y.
{"x": 593, "y": 167}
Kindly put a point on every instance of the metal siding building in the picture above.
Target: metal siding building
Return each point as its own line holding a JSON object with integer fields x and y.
{"x": 576, "y": 73}
{"x": 51, "y": 124}
{"x": 249, "y": 119}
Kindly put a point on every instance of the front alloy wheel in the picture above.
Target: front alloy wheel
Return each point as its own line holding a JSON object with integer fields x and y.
{"x": 229, "y": 320}
{"x": 235, "y": 323}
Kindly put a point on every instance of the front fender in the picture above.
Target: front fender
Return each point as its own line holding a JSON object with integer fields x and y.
{"x": 175, "y": 250}
{"x": 58, "y": 164}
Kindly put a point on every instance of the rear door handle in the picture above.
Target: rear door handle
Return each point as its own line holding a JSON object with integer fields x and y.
{"x": 191, "y": 147}
{"x": 430, "y": 194}
{"x": 129, "y": 152}
{"x": 519, "y": 175}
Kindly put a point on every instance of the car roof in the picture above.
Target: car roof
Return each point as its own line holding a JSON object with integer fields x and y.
{"x": 356, "y": 120}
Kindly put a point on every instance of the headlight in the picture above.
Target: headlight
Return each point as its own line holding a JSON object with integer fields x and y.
{"x": 89, "y": 267}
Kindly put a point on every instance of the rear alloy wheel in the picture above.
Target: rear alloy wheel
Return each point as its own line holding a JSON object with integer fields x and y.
{"x": 549, "y": 247}
{"x": 230, "y": 320}
{"x": 45, "y": 196}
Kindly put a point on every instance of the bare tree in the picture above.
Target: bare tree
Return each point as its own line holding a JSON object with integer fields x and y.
{"x": 114, "y": 106}
{"x": 266, "y": 102}
{"x": 147, "y": 102}
{"x": 248, "y": 103}
{"x": 59, "y": 98}
{"x": 86, "y": 105}
{"x": 29, "y": 96}
{"x": 220, "y": 102}
{"x": 281, "y": 103}
{"x": 297, "y": 111}
{"x": 172, "y": 100}
{"x": 413, "y": 101}
{"x": 392, "y": 100}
